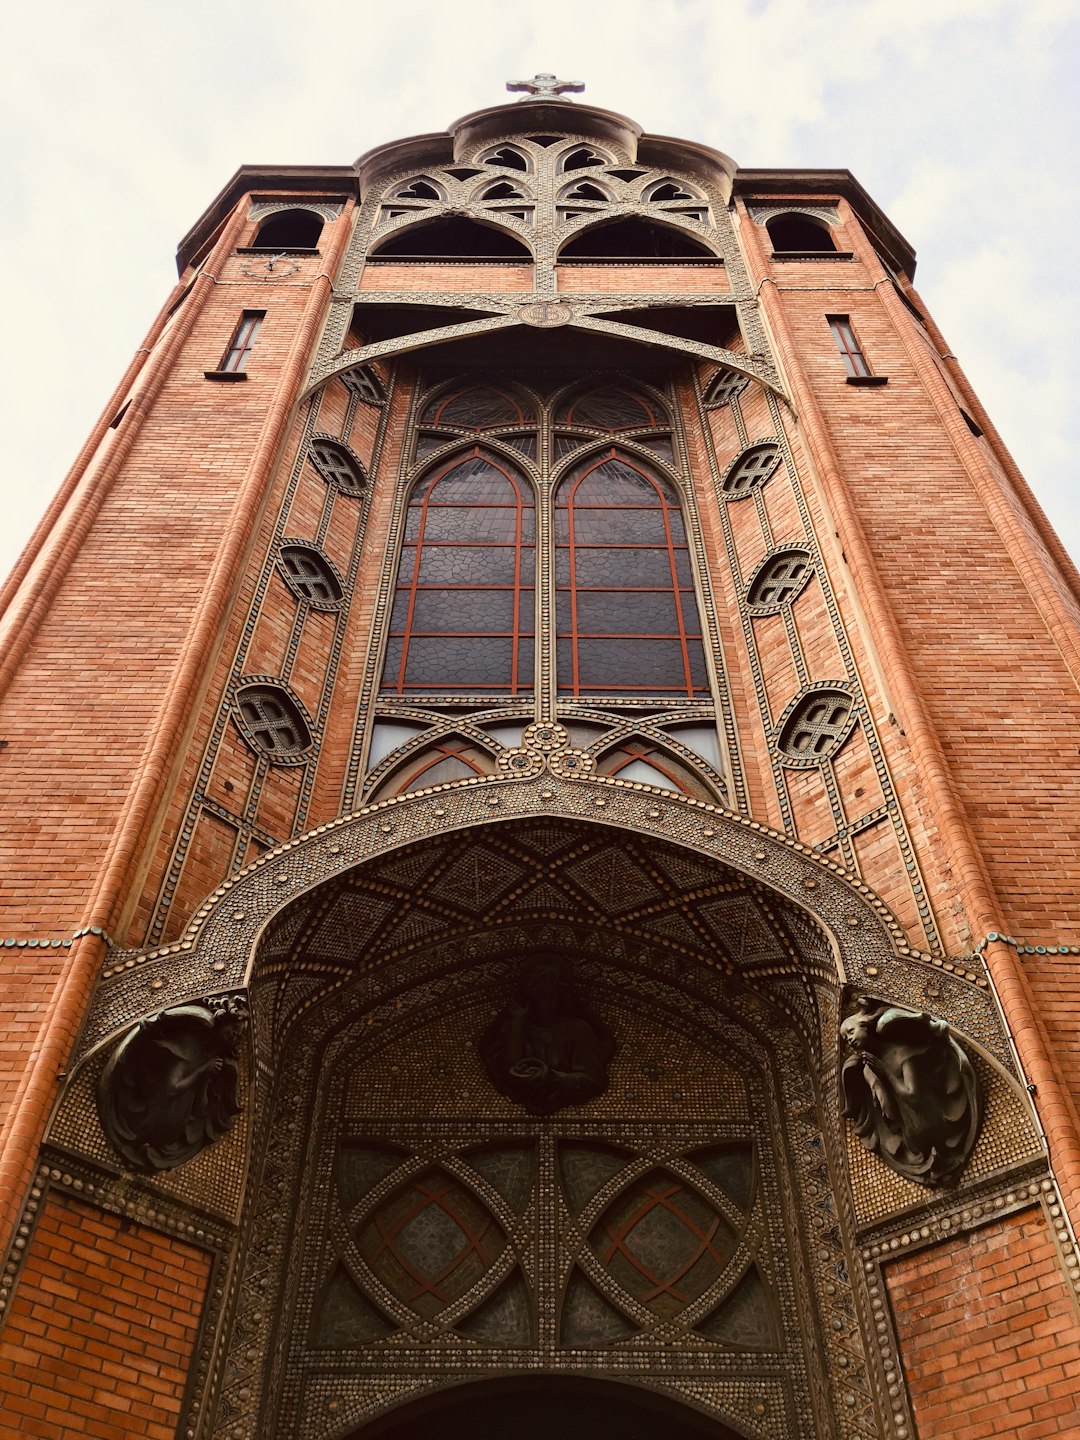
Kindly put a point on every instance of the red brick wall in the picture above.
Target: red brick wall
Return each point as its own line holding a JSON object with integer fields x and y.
{"x": 989, "y": 1335}
{"x": 100, "y": 1330}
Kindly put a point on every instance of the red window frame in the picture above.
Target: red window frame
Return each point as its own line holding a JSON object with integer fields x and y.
{"x": 669, "y": 506}
{"x": 243, "y": 340}
{"x": 524, "y": 593}
{"x": 848, "y": 345}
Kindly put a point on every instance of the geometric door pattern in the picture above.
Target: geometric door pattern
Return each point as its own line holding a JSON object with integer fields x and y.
{"x": 648, "y": 1247}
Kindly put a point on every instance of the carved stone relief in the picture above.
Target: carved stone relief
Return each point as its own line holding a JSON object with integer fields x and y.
{"x": 170, "y": 1087}
{"x": 543, "y": 1049}
{"x": 910, "y": 1091}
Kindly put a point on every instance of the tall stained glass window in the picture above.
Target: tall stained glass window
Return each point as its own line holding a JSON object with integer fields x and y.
{"x": 463, "y": 614}
{"x": 626, "y": 613}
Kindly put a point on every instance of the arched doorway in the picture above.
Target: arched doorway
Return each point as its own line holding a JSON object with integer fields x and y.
{"x": 437, "y": 1229}
{"x": 699, "y": 1228}
{"x": 542, "y": 1408}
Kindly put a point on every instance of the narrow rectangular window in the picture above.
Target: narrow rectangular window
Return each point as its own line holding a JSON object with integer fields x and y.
{"x": 236, "y": 356}
{"x": 846, "y": 343}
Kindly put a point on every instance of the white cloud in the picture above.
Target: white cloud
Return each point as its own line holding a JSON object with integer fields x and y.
{"x": 123, "y": 121}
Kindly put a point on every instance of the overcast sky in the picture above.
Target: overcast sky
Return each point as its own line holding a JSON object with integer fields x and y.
{"x": 122, "y": 120}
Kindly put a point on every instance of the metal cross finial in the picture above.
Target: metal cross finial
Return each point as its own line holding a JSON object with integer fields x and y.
{"x": 545, "y": 87}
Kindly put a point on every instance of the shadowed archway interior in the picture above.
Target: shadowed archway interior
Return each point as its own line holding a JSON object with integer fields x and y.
{"x": 542, "y": 1408}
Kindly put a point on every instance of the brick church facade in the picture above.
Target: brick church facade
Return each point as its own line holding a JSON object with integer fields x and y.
{"x": 540, "y": 844}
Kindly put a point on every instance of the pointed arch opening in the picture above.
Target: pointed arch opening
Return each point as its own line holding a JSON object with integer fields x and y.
{"x": 463, "y": 611}
{"x": 540, "y": 1406}
{"x": 634, "y": 238}
{"x": 452, "y": 237}
{"x": 626, "y": 612}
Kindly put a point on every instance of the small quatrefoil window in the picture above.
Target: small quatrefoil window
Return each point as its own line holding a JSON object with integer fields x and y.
{"x": 272, "y": 723}
{"x": 363, "y": 385}
{"x": 724, "y": 386}
{"x": 309, "y": 574}
{"x": 778, "y": 581}
{"x": 337, "y": 466}
{"x": 817, "y": 727}
{"x": 752, "y": 468}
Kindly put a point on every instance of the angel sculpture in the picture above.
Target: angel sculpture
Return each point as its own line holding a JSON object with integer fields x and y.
{"x": 170, "y": 1087}
{"x": 910, "y": 1091}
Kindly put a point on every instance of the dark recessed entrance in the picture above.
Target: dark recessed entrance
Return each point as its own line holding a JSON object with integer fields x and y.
{"x": 550, "y": 1408}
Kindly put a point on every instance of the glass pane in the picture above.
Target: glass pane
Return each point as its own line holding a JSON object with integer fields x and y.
{"x": 449, "y": 769}
{"x": 612, "y": 484}
{"x": 660, "y": 443}
{"x": 508, "y": 735}
{"x": 477, "y": 408}
{"x": 386, "y": 737}
{"x": 610, "y": 664}
{"x": 462, "y": 612}
{"x": 612, "y": 527}
{"x": 425, "y": 444}
{"x": 614, "y": 567}
{"x": 608, "y": 407}
{"x": 459, "y": 663}
{"x": 701, "y": 739}
{"x": 646, "y": 774}
{"x": 617, "y": 612}
{"x": 459, "y": 522}
{"x": 468, "y": 565}
{"x": 525, "y": 443}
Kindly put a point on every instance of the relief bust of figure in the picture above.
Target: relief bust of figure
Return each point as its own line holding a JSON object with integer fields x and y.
{"x": 545, "y": 1050}
{"x": 910, "y": 1091}
{"x": 170, "y": 1088}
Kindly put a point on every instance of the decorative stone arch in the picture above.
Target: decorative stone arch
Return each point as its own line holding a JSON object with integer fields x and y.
{"x": 263, "y": 208}
{"x": 659, "y": 219}
{"x": 606, "y": 1408}
{"x": 524, "y": 313}
{"x": 485, "y": 218}
{"x": 762, "y": 214}
{"x": 259, "y": 932}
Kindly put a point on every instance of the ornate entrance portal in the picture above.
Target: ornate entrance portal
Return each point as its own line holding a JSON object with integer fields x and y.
{"x": 689, "y": 1230}
{"x": 685, "y": 1214}
{"x": 656, "y": 1232}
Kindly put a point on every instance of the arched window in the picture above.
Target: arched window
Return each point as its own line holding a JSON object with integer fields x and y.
{"x": 506, "y": 157}
{"x": 583, "y": 157}
{"x": 799, "y": 234}
{"x": 421, "y": 189}
{"x": 289, "y": 230}
{"x": 627, "y": 616}
{"x": 476, "y": 407}
{"x": 463, "y": 614}
{"x": 645, "y": 761}
{"x": 451, "y": 758}
{"x": 634, "y": 238}
{"x": 453, "y": 236}
{"x": 611, "y": 408}
{"x": 503, "y": 190}
{"x": 669, "y": 190}
{"x": 584, "y": 190}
